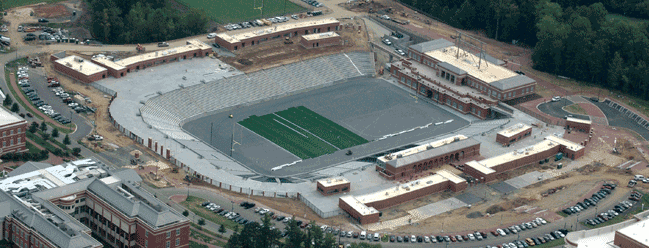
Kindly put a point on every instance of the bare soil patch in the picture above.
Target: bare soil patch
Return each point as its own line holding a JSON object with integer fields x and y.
{"x": 51, "y": 11}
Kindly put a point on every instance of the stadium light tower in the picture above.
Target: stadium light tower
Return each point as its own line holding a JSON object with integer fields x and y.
{"x": 261, "y": 8}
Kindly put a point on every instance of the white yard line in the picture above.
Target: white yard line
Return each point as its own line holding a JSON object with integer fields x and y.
{"x": 350, "y": 60}
{"x": 304, "y": 130}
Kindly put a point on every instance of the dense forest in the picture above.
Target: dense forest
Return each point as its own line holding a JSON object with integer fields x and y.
{"x": 142, "y": 21}
{"x": 571, "y": 38}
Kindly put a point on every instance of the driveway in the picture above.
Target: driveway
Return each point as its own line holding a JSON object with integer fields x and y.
{"x": 556, "y": 109}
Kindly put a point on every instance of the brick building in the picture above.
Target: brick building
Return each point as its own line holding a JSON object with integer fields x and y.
{"x": 61, "y": 206}
{"x": 486, "y": 170}
{"x": 468, "y": 83}
{"x": 406, "y": 163}
{"x": 117, "y": 69}
{"x": 332, "y": 186}
{"x": 78, "y": 68}
{"x": 364, "y": 208}
{"x": 13, "y": 129}
{"x": 578, "y": 124}
{"x": 634, "y": 236}
{"x": 513, "y": 133}
{"x": 320, "y": 40}
{"x": 238, "y": 41}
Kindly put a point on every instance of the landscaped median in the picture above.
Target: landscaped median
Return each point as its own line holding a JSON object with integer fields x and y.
{"x": 21, "y": 98}
{"x": 194, "y": 204}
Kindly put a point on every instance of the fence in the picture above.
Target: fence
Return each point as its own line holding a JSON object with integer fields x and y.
{"x": 103, "y": 89}
{"x": 548, "y": 120}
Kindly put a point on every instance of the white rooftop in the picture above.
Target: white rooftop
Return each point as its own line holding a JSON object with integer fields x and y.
{"x": 567, "y": 143}
{"x": 48, "y": 178}
{"x": 638, "y": 232}
{"x": 422, "y": 148}
{"x": 333, "y": 181}
{"x": 7, "y": 117}
{"x": 358, "y": 206}
{"x": 80, "y": 65}
{"x": 514, "y": 130}
{"x": 578, "y": 120}
{"x": 124, "y": 63}
{"x": 520, "y": 153}
{"x": 479, "y": 167}
{"x": 234, "y": 38}
{"x": 488, "y": 72}
{"x": 318, "y": 36}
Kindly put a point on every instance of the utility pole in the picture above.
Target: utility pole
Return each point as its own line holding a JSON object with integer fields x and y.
{"x": 211, "y": 133}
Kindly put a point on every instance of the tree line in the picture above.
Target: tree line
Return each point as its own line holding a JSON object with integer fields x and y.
{"x": 142, "y": 21}
{"x": 571, "y": 38}
{"x": 263, "y": 235}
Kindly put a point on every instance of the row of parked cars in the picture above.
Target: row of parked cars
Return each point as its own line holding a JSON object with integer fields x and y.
{"x": 256, "y": 23}
{"x": 231, "y": 215}
{"x": 515, "y": 229}
{"x": 313, "y": 3}
{"x": 533, "y": 241}
{"x": 607, "y": 215}
{"x": 25, "y": 85}
{"x": 592, "y": 201}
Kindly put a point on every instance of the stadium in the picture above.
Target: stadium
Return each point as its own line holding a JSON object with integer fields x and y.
{"x": 277, "y": 131}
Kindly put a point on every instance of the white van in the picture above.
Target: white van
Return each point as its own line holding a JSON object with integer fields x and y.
{"x": 638, "y": 177}
{"x": 377, "y": 237}
{"x": 363, "y": 234}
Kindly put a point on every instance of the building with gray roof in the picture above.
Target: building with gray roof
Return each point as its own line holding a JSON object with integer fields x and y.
{"x": 60, "y": 206}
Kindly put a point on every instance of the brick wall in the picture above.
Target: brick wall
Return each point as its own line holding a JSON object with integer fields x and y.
{"x": 13, "y": 137}
{"x": 252, "y": 41}
{"x": 581, "y": 127}
{"x": 362, "y": 219}
{"x": 335, "y": 189}
{"x": 324, "y": 42}
{"x": 78, "y": 75}
{"x": 504, "y": 140}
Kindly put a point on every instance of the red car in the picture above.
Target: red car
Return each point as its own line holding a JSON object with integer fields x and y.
{"x": 494, "y": 233}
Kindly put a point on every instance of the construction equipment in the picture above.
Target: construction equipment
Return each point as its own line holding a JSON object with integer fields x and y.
{"x": 288, "y": 41}
{"x": 140, "y": 48}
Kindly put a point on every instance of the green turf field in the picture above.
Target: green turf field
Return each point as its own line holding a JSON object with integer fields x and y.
{"x": 226, "y": 11}
{"x": 289, "y": 131}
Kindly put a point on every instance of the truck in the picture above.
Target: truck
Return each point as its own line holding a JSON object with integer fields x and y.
{"x": 5, "y": 39}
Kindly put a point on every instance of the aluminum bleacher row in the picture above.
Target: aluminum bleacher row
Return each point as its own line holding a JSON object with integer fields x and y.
{"x": 166, "y": 112}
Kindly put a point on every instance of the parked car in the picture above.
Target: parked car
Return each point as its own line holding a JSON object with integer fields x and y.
{"x": 211, "y": 35}
{"x": 43, "y": 20}
{"x": 387, "y": 42}
{"x": 163, "y": 44}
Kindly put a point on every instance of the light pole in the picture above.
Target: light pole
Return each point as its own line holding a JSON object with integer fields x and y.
{"x": 232, "y": 205}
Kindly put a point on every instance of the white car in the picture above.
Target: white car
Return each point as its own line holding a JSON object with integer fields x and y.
{"x": 387, "y": 42}
{"x": 211, "y": 35}
{"x": 501, "y": 232}
{"x": 471, "y": 237}
{"x": 286, "y": 220}
{"x": 556, "y": 98}
{"x": 400, "y": 52}
{"x": 543, "y": 221}
{"x": 426, "y": 239}
{"x": 413, "y": 239}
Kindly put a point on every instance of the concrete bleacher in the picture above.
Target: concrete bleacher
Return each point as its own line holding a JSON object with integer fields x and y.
{"x": 167, "y": 112}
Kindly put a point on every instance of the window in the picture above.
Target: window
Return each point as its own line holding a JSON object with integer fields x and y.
{"x": 169, "y": 234}
{"x": 4, "y": 133}
{"x": 146, "y": 243}
{"x": 178, "y": 232}
{"x": 177, "y": 242}
{"x": 443, "y": 74}
{"x": 452, "y": 79}
{"x": 11, "y": 142}
{"x": 146, "y": 233}
{"x": 18, "y": 140}
{"x": 11, "y": 132}
{"x": 168, "y": 244}
{"x": 19, "y": 130}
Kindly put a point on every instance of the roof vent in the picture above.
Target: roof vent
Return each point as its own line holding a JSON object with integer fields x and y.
{"x": 159, "y": 92}
{"x": 142, "y": 102}
{"x": 399, "y": 155}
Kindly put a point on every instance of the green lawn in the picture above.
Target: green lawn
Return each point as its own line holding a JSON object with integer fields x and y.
{"x": 6, "y": 4}
{"x": 194, "y": 205}
{"x": 322, "y": 127}
{"x": 553, "y": 243}
{"x": 193, "y": 244}
{"x": 288, "y": 136}
{"x": 576, "y": 109}
{"x": 225, "y": 11}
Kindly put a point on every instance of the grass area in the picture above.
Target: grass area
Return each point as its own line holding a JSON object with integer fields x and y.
{"x": 553, "y": 243}
{"x": 193, "y": 244}
{"x": 225, "y": 11}
{"x": 627, "y": 19}
{"x": 194, "y": 204}
{"x": 42, "y": 142}
{"x": 31, "y": 147}
{"x": 322, "y": 127}
{"x": 206, "y": 239}
{"x": 15, "y": 92}
{"x": 575, "y": 109}
{"x": 637, "y": 208}
{"x": 56, "y": 142}
{"x": 7, "y": 4}
{"x": 207, "y": 231}
{"x": 562, "y": 213}
{"x": 289, "y": 136}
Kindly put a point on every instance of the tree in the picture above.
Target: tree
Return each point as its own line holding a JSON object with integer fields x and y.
{"x": 43, "y": 126}
{"x": 201, "y": 221}
{"x": 77, "y": 151}
{"x": 33, "y": 128}
{"x": 15, "y": 108}
{"x": 66, "y": 140}
{"x": 45, "y": 136}
{"x": 8, "y": 101}
{"x": 185, "y": 213}
{"x": 615, "y": 71}
{"x": 55, "y": 133}
{"x": 294, "y": 236}
{"x": 221, "y": 228}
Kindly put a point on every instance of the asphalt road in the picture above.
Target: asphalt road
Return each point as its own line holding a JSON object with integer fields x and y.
{"x": 617, "y": 119}
{"x": 555, "y": 109}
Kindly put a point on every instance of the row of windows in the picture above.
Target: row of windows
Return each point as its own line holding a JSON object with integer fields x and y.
{"x": 167, "y": 244}
{"x": 11, "y": 142}
{"x": 11, "y": 132}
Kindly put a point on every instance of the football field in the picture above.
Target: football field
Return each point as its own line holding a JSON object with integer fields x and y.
{"x": 228, "y": 11}
{"x": 303, "y": 132}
